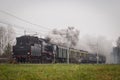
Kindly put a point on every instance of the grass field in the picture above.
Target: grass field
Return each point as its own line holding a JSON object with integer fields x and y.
{"x": 59, "y": 72}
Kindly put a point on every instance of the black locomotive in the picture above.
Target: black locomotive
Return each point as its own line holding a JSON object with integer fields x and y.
{"x": 34, "y": 49}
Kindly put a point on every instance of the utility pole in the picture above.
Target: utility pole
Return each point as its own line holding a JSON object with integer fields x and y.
{"x": 97, "y": 53}
{"x": 24, "y": 32}
{"x": 68, "y": 55}
{"x": 54, "y": 53}
{"x": 68, "y": 47}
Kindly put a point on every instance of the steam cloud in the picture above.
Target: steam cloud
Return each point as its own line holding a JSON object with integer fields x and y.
{"x": 100, "y": 45}
{"x": 66, "y": 37}
{"x": 70, "y": 38}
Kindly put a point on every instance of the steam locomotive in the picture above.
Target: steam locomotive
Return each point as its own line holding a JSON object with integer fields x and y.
{"x": 38, "y": 50}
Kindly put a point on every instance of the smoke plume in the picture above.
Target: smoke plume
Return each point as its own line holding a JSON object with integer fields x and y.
{"x": 66, "y": 37}
{"x": 99, "y": 44}
{"x": 70, "y": 38}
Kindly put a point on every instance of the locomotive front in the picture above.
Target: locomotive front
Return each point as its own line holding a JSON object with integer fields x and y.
{"x": 27, "y": 48}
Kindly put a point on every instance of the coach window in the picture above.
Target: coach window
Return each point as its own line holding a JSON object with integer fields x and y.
{"x": 78, "y": 54}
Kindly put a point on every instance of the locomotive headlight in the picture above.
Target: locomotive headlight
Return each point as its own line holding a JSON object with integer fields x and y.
{"x": 28, "y": 53}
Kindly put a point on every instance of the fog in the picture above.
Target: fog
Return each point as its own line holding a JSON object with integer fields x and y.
{"x": 97, "y": 44}
{"x": 90, "y": 17}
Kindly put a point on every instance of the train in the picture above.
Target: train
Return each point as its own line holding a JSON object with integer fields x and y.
{"x": 31, "y": 49}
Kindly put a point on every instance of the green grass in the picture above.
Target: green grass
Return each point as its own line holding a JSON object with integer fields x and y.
{"x": 59, "y": 72}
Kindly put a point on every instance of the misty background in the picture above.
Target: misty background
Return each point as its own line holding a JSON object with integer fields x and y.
{"x": 84, "y": 24}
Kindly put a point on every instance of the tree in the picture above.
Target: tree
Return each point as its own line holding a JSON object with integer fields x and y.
{"x": 116, "y": 52}
{"x": 118, "y": 42}
{"x": 7, "y": 50}
{"x": 2, "y": 40}
{"x": 7, "y": 36}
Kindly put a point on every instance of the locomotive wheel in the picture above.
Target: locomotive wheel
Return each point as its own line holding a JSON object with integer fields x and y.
{"x": 47, "y": 58}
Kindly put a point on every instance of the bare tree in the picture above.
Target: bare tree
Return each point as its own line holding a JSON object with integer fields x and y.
{"x": 116, "y": 52}
{"x": 118, "y": 42}
{"x": 7, "y": 36}
{"x": 2, "y": 41}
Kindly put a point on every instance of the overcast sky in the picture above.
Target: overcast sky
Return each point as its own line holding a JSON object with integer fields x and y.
{"x": 93, "y": 17}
